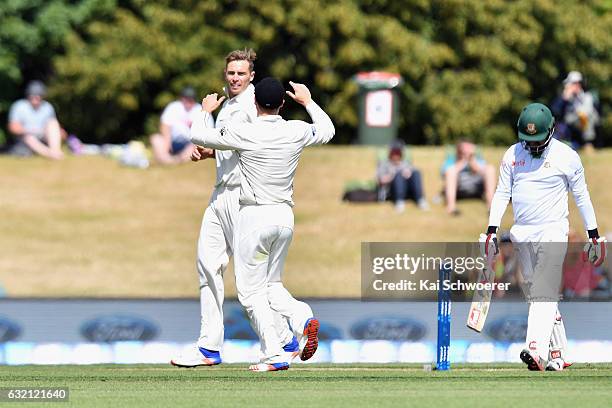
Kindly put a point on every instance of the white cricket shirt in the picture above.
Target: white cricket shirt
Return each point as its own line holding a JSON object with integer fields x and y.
{"x": 538, "y": 187}
{"x": 268, "y": 151}
{"x": 239, "y": 109}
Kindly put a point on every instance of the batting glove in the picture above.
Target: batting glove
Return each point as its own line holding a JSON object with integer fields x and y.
{"x": 488, "y": 245}
{"x": 595, "y": 251}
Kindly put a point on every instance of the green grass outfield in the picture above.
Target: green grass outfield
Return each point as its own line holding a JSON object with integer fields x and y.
{"x": 371, "y": 385}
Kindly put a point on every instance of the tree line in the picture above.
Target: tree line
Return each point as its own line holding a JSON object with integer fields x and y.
{"x": 468, "y": 65}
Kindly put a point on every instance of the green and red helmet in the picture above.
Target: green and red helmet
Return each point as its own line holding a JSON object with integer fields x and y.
{"x": 536, "y": 126}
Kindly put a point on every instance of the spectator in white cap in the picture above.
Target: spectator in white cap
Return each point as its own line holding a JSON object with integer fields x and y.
{"x": 34, "y": 125}
{"x": 576, "y": 112}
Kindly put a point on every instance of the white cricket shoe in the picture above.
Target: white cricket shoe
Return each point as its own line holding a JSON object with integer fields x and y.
{"x": 197, "y": 356}
{"x": 559, "y": 361}
{"x": 556, "y": 364}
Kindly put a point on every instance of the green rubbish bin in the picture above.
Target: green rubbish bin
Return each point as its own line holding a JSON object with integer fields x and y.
{"x": 378, "y": 107}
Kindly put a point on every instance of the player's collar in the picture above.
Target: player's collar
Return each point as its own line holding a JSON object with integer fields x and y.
{"x": 269, "y": 118}
{"x": 249, "y": 92}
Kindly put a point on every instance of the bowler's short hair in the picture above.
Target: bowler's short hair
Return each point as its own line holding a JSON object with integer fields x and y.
{"x": 242, "y": 55}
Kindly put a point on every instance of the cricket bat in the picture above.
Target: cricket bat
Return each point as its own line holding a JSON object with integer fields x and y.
{"x": 481, "y": 301}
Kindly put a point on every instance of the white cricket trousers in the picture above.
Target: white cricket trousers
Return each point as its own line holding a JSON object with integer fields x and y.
{"x": 541, "y": 250}
{"x": 214, "y": 250}
{"x": 262, "y": 240}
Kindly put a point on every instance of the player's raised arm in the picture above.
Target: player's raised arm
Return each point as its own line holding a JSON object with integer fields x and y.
{"x": 199, "y": 132}
{"x": 206, "y": 120}
{"x": 322, "y": 129}
{"x": 226, "y": 138}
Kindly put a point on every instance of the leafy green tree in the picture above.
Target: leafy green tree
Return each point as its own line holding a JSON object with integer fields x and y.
{"x": 469, "y": 66}
{"x": 32, "y": 32}
{"x": 509, "y": 53}
{"x": 123, "y": 77}
{"x": 123, "y": 71}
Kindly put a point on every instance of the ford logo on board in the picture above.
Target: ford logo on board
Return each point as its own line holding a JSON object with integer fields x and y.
{"x": 9, "y": 330}
{"x": 388, "y": 328}
{"x": 118, "y": 328}
{"x": 508, "y": 328}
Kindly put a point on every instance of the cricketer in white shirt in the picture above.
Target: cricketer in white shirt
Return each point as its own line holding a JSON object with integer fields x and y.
{"x": 217, "y": 229}
{"x": 539, "y": 187}
{"x": 215, "y": 242}
{"x": 239, "y": 109}
{"x": 268, "y": 152}
{"x": 536, "y": 178}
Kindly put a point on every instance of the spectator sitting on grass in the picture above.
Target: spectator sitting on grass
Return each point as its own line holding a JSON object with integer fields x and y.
{"x": 172, "y": 145}
{"x": 399, "y": 181}
{"x": 33, "y": 123}
{"x": 466, "y": 176}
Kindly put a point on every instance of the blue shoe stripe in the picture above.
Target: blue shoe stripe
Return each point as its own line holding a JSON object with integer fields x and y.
{"x": 292, "y": 346}
{"x": 210, "y": 354}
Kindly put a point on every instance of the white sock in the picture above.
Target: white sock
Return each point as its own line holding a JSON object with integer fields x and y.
{"x": 558, "y": 339}
{"x": 211, "y": 313}
{"x": 539, "y": 327}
